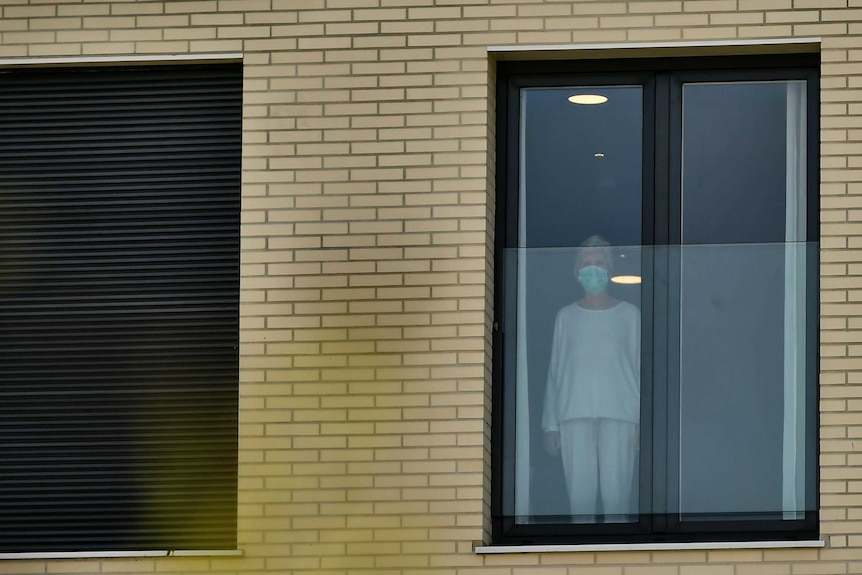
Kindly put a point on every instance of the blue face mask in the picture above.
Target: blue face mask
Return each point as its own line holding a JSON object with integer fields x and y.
{"x": 593, "y": 278}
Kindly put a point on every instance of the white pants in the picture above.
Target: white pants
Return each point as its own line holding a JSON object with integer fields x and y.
{"x": 599, "y": 458}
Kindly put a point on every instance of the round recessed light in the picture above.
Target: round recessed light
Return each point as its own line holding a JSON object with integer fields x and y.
{"x": 627, "y": 280}
{"x": 588, "y": 99}
{"x": 599, "y": 155}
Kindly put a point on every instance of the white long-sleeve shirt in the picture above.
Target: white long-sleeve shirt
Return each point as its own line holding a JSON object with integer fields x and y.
{"x": 595, "y": 365}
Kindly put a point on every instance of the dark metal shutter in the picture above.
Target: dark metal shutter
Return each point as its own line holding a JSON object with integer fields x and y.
{"x": 119, "y": 295}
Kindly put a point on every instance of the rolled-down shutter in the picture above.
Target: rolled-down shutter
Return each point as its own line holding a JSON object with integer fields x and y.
{"x": 119, "y": 291}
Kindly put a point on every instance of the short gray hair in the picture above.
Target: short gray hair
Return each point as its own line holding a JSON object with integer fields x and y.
{"x": 595, "y": 244}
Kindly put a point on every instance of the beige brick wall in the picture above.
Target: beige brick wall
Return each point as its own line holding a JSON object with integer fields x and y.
{"x": 366, "y": 279}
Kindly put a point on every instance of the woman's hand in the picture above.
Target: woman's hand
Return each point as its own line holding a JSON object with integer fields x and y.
{"x": 552, "y": 442}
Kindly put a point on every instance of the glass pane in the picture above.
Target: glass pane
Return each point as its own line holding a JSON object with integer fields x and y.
{"x": 577, "y": 384}
{"x": 742, "y": 303}
{"x": 743, "y": 162}
{"x": 581, "y": 166}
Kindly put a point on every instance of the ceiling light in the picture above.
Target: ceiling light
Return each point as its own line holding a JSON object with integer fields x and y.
{"x": 626, "y": 280}
{"x": 599, "y": 155}
{"x": 588, "y": 99}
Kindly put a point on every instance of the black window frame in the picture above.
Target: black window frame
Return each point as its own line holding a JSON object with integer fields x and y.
{"x": 661, "y": 79}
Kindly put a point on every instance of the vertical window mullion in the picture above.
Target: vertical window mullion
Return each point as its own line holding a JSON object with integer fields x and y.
{"x": 507, "y": 215}
{"x": 651, "y": 184}
{"x": 673, "y": 292}
{"x": 660, "y": 329}
{"x": 812, "y": 337}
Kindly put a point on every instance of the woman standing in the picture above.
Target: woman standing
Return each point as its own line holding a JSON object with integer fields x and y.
{"x": 592, "y": 399}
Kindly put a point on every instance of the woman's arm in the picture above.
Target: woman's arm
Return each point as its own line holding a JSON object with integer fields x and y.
{"x": 550, "y": 424}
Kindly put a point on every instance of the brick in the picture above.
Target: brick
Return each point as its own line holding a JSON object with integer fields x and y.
{"x": 654, "y": 34}
{"x": 709, "y": 5}
{"x": 682, "y": 20}
{"x": 626, "y": 21}
{"x": 656, "y": 7}
{"x": 765, "y": 4}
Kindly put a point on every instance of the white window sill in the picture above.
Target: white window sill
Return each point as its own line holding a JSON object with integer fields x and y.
{"x": 502, "y": 549}
{"x": 123, "y": 554}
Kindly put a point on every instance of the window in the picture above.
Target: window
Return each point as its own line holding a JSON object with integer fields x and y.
{"x": 657, "y": 300}
{"x": 119, "y": 251}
